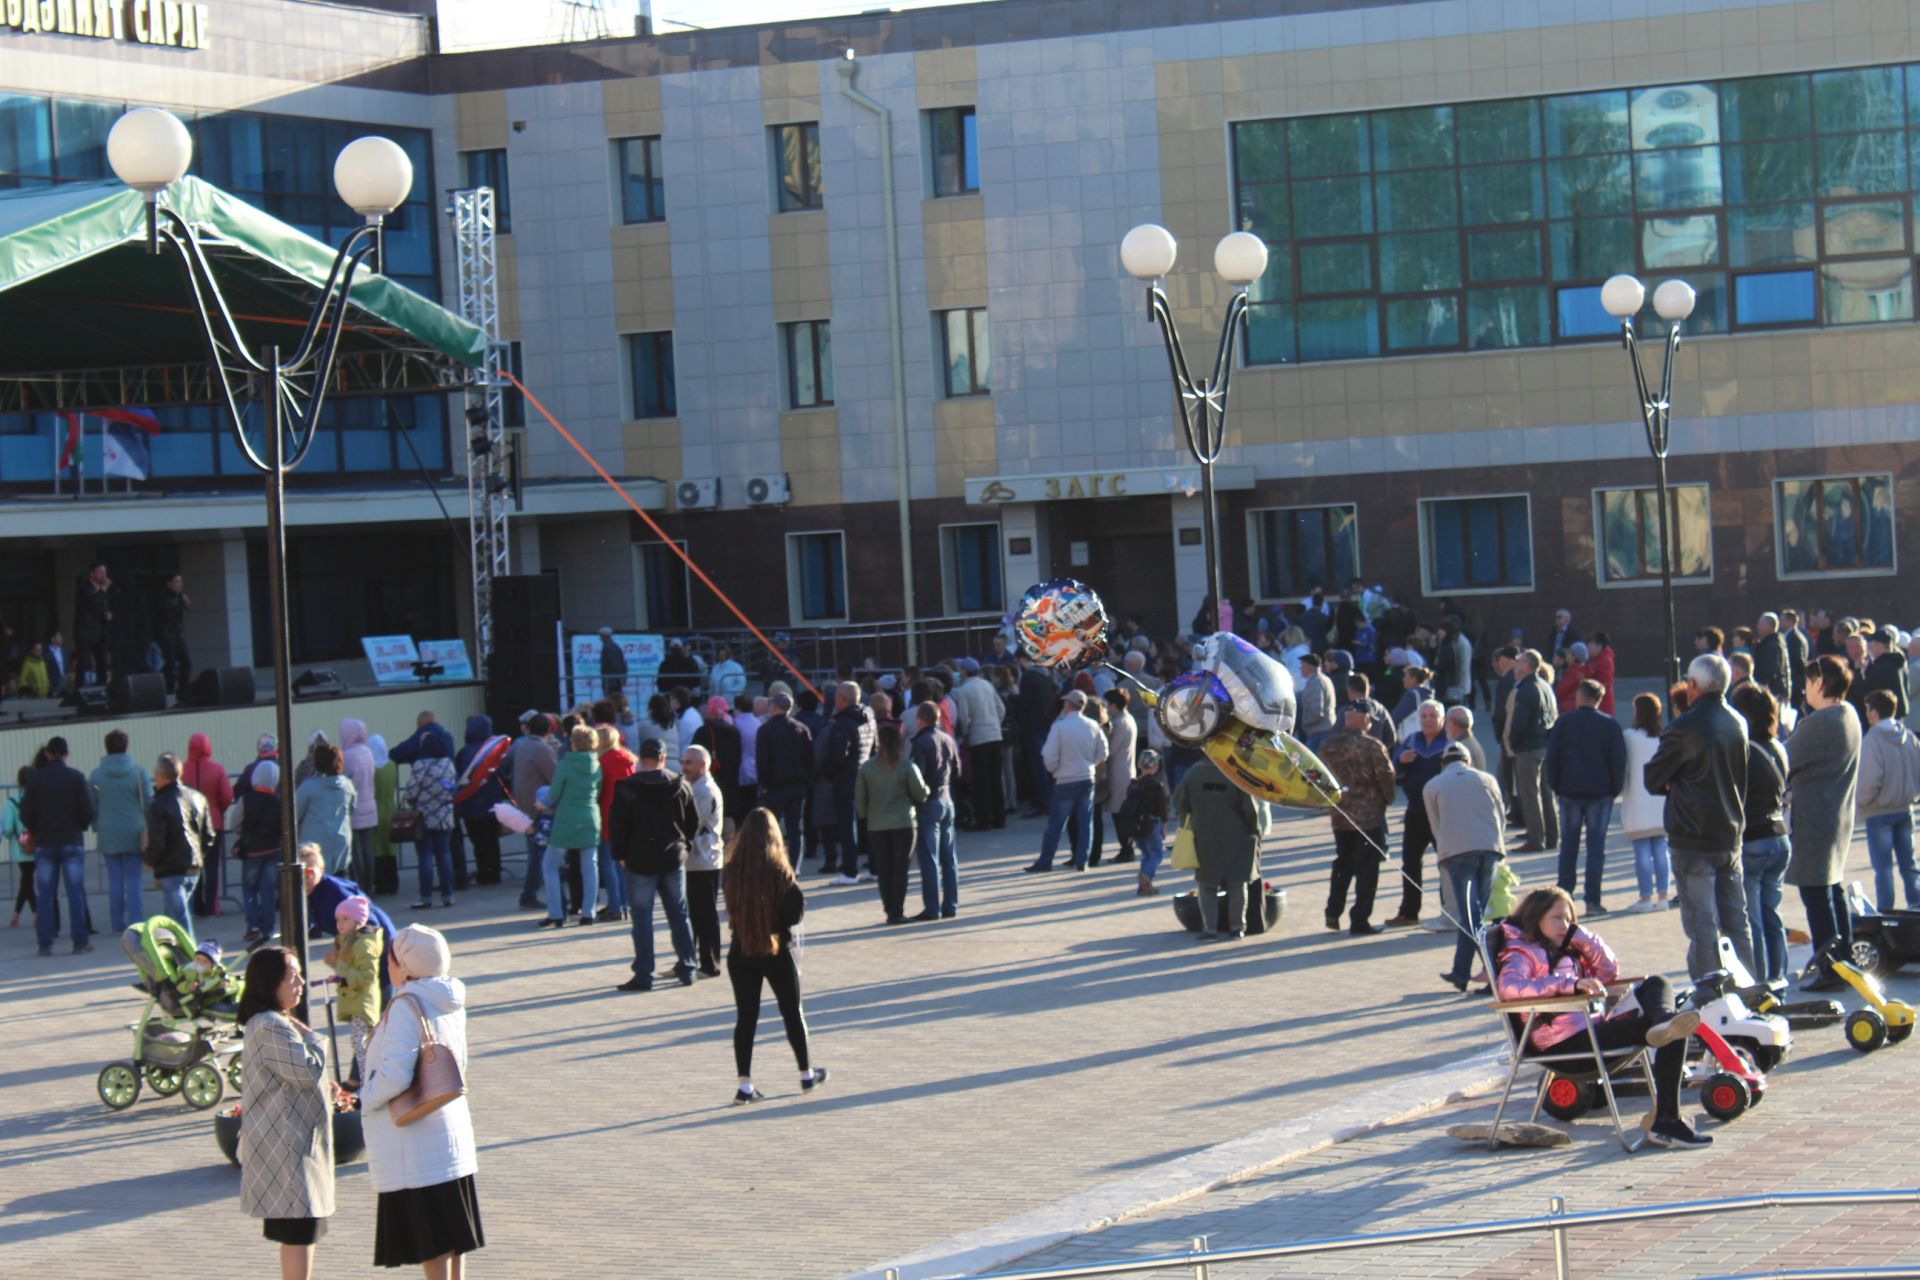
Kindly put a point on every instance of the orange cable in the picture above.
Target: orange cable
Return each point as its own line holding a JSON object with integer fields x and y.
{"x": 662, "y": 534}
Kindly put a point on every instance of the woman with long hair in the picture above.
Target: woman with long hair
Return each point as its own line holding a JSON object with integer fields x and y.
{"x": 1547, "y": 953}
{"x": 764, "y": 904}
{"x": 886, "y": 792}
{"x": 1642, "y": 813}
{"x": 286, "y": 1142}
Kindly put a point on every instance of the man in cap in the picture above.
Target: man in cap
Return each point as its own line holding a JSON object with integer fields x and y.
{"x": 1887, "y": 668}
{"x": 1469, "y": 835}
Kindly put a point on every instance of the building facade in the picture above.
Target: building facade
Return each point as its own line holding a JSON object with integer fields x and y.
{"x": 697, "y": 281}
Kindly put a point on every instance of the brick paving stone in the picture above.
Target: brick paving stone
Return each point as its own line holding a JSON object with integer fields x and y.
{"x": 1058, "y": 1035}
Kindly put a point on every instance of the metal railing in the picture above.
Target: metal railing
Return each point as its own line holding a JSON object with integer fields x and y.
{"x": 1200, "y": 1261}
{"x": 821, "y": 650}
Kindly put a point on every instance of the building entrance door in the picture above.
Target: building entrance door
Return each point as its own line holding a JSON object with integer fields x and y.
{"x": 1123, "y": 549}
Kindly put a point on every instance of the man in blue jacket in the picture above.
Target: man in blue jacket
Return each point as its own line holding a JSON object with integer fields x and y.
{"x": 1586, "y": 769}
{"x": 1415, "y": 763}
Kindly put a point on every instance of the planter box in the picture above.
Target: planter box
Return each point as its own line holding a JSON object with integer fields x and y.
{"x": 349, "y": 1139}
{"x": 1264, "y": 909}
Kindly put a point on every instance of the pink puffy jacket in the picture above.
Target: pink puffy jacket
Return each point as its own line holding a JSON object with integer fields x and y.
{"x": 1526, "y": 974}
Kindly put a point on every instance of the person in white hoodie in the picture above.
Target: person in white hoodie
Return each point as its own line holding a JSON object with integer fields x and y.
{"x": 705, "y": 858}
{"x": 358, "y": 766}
{"x": 1643, "y": 815}
{"x": 428, "y": 1211}
{"x": 1889, "y": 781}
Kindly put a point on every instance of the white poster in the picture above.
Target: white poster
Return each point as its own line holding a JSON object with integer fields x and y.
{"x": 391, "y": 657}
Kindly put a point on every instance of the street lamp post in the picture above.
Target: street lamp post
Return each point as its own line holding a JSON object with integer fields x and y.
{"x": 1623, "y": 296}
{"x": 150, "y": 150}
{"x": 1148, "y": 252}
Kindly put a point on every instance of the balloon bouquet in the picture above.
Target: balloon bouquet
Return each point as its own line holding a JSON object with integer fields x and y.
{"x": 1237, "y": 707}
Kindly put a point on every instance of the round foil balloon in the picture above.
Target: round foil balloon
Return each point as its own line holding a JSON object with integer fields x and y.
{"x": 1062, "y": 624}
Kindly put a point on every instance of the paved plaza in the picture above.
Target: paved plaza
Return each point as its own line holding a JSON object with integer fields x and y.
{"x": 1059, "y": 1036}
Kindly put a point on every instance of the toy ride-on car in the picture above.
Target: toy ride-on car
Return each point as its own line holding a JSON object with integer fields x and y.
{"x": 1769, "y": 999}
{"x": 1884, "y": 1020}
{"x": 1882, "y": 940}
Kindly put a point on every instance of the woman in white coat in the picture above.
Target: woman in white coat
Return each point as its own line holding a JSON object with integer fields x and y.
{"x": 428, "y": 1212}
{"x": 1122, "y": 738}
{"x": 1643, "y": 815}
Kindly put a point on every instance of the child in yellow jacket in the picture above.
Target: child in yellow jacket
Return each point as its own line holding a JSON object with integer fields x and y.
{"x": 355, "y": 957}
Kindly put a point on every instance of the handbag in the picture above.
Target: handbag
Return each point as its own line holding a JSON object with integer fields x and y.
{"x": 1186, "y": 850}
{"x": 437, "y": 1079}
{"x": 404, "y": 826}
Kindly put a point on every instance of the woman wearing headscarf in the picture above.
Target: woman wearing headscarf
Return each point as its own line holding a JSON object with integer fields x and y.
{"x": 428, "y": 1211}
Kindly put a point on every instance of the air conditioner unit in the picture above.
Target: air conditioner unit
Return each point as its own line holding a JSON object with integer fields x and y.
{"x": 768, "y": 491}
{"x": 698, "y": 494}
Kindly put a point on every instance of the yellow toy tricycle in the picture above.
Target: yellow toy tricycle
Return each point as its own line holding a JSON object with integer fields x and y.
{"x": 1883, "y": 1021}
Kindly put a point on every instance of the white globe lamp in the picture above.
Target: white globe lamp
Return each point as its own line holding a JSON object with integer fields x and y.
{"x": 1622, "y": 296}
{"x": 1673, "y": 301}
{"x": 1240, "y": 258}
{"x": 373, "y": 176}
{"x": 149, "y": 149}
{"x": 1148, "y": 251}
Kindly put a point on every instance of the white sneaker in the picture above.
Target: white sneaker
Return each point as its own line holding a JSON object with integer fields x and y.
{"x": 1438, "y": 924}
{"x": 1646, "y": 905}
{"x": 867, "y": 877}
{"x": 841, "y": 882}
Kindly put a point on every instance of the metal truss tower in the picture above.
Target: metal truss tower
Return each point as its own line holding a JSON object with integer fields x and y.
{"x": 474, "y": 228}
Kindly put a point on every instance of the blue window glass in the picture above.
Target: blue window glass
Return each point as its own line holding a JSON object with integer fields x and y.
{"x": 26, "y": 138}
{"x": 1300, "y": 548}
{"x": 1501, "y": 193}
{"x": 1420, "y": 263}
{"x": 1332, "y": 207}
{"x": 1423, "y": 324}
{"x": 643, "y": 192}
{"x": 821, "y": 576}
{"x": 1261, "y": 207}
{"x": 1868, "y": 291}
{"x": 1515, "y": 317}
{"x": 1417, "y": 138}
{"x": 1769, "y": 171}
{"x": 80, "y": 137}
{"x": 1764, "y": 107}
{"x": 1260, "y": 151}
{"x": 974, "y": 563}
{"x": 1580, "y": 315}
{"x": 1864, "y": 98}
{"x": 1270, "y": 334}
{"x": 1478, "y": 543}
{"x": 1491, "y": 131}
{"x": 650, "y": 357}
{"x": 1339, "y": 329}
{"x": 1863, "y": 226}
{"x": 1592, "y": 248}
{"x": 1344, "y": 266}
{"x": 1587, "y": 185}
{"x": 1503, "y": 255}
{"x": 1415, "y": 200}
{"x": 1778, "y": 297}
{"x": 1682, "y": 240}
{"x": 489, "y": 169}
{"x": 1322, "y": 146}
{"x": 956, "y": 151}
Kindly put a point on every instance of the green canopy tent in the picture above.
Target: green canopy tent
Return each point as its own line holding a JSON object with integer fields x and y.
{"x": 89, "y": 319}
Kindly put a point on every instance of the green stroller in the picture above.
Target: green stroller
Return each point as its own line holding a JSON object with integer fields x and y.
{"x": 184, "y": 1040}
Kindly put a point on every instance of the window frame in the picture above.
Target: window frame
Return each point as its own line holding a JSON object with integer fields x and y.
{"x": 1784, "y": 574}
{"x": 949, "y": 561}
{"x": 1256, "y": 561}
{"x": 961, "y": 114}
{"x": 813, "y": 198}
{"x": 651, "y": 155}
{"x": 1427, "y": 587}
{"x": 667, "y": 387}
{"x": 975, "y": 387}
{"x": 502, "y": 190}
{"x": 1652, "y": 579}
{"x": 643, "y": 616}
{"x": 789, "y": 355}
{"x": 796, "y": 596}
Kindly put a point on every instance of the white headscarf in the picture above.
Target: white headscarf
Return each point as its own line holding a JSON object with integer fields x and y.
{"x": 378, "y": 745}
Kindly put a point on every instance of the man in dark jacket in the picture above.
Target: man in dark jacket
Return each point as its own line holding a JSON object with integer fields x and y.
{"x": 783, "y": 756}
{"x": 1563, "y": 634}
{"x": 850, "y": 739}
{"x": 1415, "y": 762}
{"x": 56, "y": 808}
{"x": 172, "y": 620}
{"x": 92, "y": 614}
{"x": 1531, "y": 711}
{"x": 1887, "y": 668}
{"x": 1504, "y": 660}
{"x": 613, "y": 665}
{"x": 1360, "y": 823}
{"x": 482, "y": 792}
{"x": 649, "y": 827}
{"x": 1798, "y": 651}
{"x": 179, "y": 833}
{"x": 1036, "y": 704}
{"x": 1770, "y": 657}
{"x": 1701, "y": 768}
{"x": 426, "y": 725}
{"x": 938, "y": 758}
{"x": 1586, "y": 769}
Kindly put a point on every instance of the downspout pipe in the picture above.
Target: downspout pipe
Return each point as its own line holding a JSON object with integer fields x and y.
{"x": 848, "y": 67}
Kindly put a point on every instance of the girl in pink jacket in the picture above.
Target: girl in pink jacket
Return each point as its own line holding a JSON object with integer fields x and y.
{"x": 1546, "y": 954}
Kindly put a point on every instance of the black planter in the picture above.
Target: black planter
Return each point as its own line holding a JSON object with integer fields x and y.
{"x": 1264, "y": 909}
{"x": 349, "y": 1138}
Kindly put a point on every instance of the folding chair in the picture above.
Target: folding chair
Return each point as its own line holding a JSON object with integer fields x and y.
{"x": 1580, "y": 1063}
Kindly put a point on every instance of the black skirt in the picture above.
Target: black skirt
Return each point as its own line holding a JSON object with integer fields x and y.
{"x": 294, "y": 1230}
{"x": 422, "y": 1223}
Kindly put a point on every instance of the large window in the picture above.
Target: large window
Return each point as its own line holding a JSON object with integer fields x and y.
{"x": 643, "y": 192}
{"x": 666, "y": 599}
{"x": 1785, "y": 200}
{"x": 970, "y": 559}
{"x": 650, "y": 369}
{"x": 966, "y": 351}
{"x": 1296, "y": 549}
{"x": 1628, "y": 534}
{"x": 796, "y": 164}
{"x": 489, "y": 169}
{"x": 1835, "y": 524}
{"x": 817, "y": 576}
{"x": 1476, "y": 544}
{"x": 809, "y": 357}
{"x": 956, "y": 151}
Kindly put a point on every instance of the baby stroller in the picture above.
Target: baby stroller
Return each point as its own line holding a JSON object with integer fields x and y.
{"x": 184, "y": 1041}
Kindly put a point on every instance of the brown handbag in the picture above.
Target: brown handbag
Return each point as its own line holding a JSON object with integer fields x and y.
{"x": 437, "y": 1079}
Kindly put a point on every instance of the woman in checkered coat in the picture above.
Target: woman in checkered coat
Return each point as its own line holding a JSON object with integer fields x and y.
{"x": 286, "y": 1134}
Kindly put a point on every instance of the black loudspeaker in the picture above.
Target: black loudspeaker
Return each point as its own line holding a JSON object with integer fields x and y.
{"x": 135, "y": 695}
{"x": 222, "y": 687}
{"x": 524, "y": 668}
